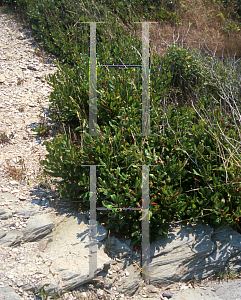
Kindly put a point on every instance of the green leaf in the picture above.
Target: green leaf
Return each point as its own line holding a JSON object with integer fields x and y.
{"x": 108, "y": 194}
{"x": 196, "y": 173}
{"x": 137, "y": 182}
{"x": 118, "y": 171}
{"x": 113, "y": 197}
{"x": 160, "y": 231}
{"x": 219, "y": 169}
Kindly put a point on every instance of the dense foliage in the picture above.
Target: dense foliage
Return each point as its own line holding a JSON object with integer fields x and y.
{"x": 194, "y": 111}
{"x": 196, "y": 177}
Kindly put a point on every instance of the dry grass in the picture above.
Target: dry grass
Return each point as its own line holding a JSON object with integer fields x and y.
{"x": 16, "y": 173}
{"x": 20, "y": 81}
{"x": 206, "y": 30}
{"x": 21, "y": 108}
{"x": 5, "y": 138}
{"x": 40, "y": 53}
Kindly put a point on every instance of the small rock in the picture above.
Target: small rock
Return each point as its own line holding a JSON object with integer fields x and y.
{"x": 2, "y": 78}
{"x": 2, "y": 211}
{"x": 13, "y": 182}
{"x": 32, "y": 68}
{"x": 6, "y": 216}
{"x": 15, "y": 191}
{"x": 38, "y": 227}
{"x": 84, "y": 295}
{"x": 100, "y": 293}
{"x": 116, "y": 268}
{"x": 167, "y": 295}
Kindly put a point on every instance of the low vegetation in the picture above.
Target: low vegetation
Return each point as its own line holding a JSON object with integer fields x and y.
{"x": 195, "y": 96}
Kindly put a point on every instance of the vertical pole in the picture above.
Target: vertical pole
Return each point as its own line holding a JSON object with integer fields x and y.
{"x": 93, "y": 223}
{"x": 93, "y": 82}
{"x": 145, "y": 223}
{"x": 145, "y": 80}
{"x": 93, "y": 132}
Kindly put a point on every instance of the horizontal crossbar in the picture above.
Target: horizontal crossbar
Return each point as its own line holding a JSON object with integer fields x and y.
{"x": 121, "y": 66}
{"x": 125, "y": 208}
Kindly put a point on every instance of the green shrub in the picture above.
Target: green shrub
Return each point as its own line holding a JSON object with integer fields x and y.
{"x": 196, "y": 173}
{"x": 118, "y": 90}
{"x": 181, "y": 72}
{"x": 190, "y": 182}
{"x": 69, "y": 86}
{"x": 171, "y": 76}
